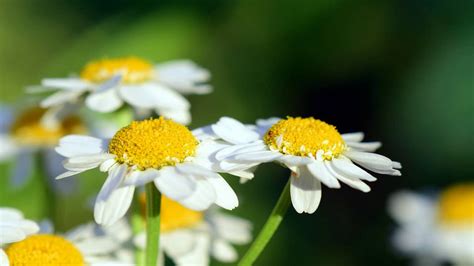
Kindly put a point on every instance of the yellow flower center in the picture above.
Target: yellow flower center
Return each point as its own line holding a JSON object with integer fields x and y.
{"x": 29, "y": 130}
{"x": 132, "y": 69}
{"x": 153, "y": 143}
{"x": 305, "y": 137}
{"x": 456, "y": 205}
{"x": 174, "y": 215}
{"x": 44, "y": 250}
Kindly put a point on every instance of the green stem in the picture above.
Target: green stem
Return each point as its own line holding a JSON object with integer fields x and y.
{"x": 153, "y": 202}
{"x": 269, "y": 228}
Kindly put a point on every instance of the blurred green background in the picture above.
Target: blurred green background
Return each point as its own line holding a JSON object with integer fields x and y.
{"x": 401, "y": 71}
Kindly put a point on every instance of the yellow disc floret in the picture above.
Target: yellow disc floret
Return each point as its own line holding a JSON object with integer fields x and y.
{"x": 28, "y": 128}
{"x": 48, "y": 250}
{"x": 153, "y": 143}
{"x": 132, "y": 69}
{"x": 456, "y": 205}
{"x": 174, "y": 215}
{"x": 305, "y": 137}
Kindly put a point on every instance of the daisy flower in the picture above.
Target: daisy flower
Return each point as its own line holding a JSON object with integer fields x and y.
{"x": 108, "y": 83}
{"x": 13, "y": 228}
{"x": 155, "y": 150}
{"x": 435, "y": 229}
{"x": 35, "y": 131}
{"x": 313, "y": 150}
{"x": 85, "y": 245}
{"x": 191, "y": 237}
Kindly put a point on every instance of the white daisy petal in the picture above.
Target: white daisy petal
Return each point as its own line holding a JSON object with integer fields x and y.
{"x": 184, "y": 76}
{"x": 139, "y": 178}
{"x": 202, "y": 197}
{"x": 109, "y": 84}
{"x": 256, "y": 157}
{"x": 60, "y": 97}
{"x": 240, "y": 148}
{"x": 176, "y": 243}
{"x": 77, "y": 145}
{"x": 151, "y": 95}
{"x": 195, "y": 170}
{"x": 370, "y": 160}
{"x": 68, "y": 174}
{"x": 174, "y": 185}
{"x": 364, "y": 146}
{"x": 199, "y": 255}
{"x": 107, "y": 212}
{"x": 11, "y": 234}
{"x": 65, "y": 83}
{"x": 204, "y": 133}
{"x": 291, "y": 160}
{"x": 347, "y": 179}
{"x": 231, "y": 228}
{"x": 182, "y": 116}
{"x": 353, "y": 137}
{"x": 113, "y": 181}
{"x": 305, "y": 191}
{"x": 104, "y": 102}
{"x": 268, "y": 122}
{"x": 223, "y": 251}
{"x": 105, "y": 165}
{"x": 206, "y": 152}
{"x": 83, "y": 163}
{"x": 97, "y": 245}
{"x": 245, "y": 174}
{"x": 9, "y": 148}
{"x": 319, "y": 171}
{"x": 396, "y": 165}
{"x": 344, "y": 166}
{"x": 9, "y": 214}
{"x": 228, "y": 167}
{"x": 233, "y": 131}
{"x": 4, "y": 258}
{"x": 411, "y": 209}
{"x": 225, "y": 195}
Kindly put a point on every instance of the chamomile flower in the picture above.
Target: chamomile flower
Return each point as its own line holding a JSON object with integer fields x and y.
{"x": 35, "y": 131}
{"x": 108, "y": 83}
{"x": 435, "y": 228}
{"x": 313, "y": 150}
{"x": 191, "y": 237}
{"x": 85, "y": 245}
{"x": 13, "y": 228}
{"x": 155, "y": 150}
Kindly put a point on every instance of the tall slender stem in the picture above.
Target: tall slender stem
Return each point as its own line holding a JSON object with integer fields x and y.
{"x": 153, "y": 204}
{"x": 269, "y": 228}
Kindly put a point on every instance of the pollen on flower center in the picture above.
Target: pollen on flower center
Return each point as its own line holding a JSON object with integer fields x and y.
{"x": 153, "y": 143}
{"x": 174, "y": 215}
{"x": 44, "y": 250}
{"x": 305, "y": 137}
{"x": 456, "y": 205}
{"x": 132, "y": 69}
{"x": 29, "y": 130}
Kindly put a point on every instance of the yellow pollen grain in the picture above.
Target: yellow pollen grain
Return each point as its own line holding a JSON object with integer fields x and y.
{"x": 305, "y": 137}
{"x": 132, "y": 69}
{"x": 44, "y": 250}
{"x": 456, "y": 204}
{"x": 153, "y": 143}
{"x": 174, "y": 215}
{"x": 28, "y": 129}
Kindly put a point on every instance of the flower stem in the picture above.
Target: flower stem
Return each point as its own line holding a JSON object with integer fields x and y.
{"x": 153, "y": 202}
{"x": 269, "y": 228}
